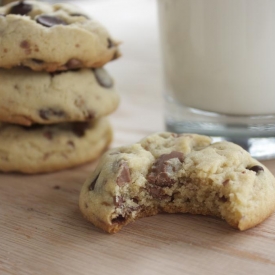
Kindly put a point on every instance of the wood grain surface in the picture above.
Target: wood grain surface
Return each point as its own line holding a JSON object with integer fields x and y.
{"x": 42, "y": 230}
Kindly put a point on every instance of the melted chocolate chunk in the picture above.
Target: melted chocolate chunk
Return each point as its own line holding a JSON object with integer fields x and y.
{"x": 49, "y": 21}
{"x": 103, "y": 78}
{"x": 79, "y": 14}
{"x": 256, "y": 168}
{"x": 79, "y": 128}
{"x": 157, "y": 193}
{"x": 159, "y": 171}
{"x": 92, "y": 185}
{"x": 124, "y": 175}
{"x": 46, "y": 114}
{"x": 21, "y": 8}
{"x": 73, "y": 64}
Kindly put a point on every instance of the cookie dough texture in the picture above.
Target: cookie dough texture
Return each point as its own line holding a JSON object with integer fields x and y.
{"x": 40, "y": 148}
{"x": 52, "y": 37}
{"x": 173, "y": 173}
{"x": 29, "y": 97}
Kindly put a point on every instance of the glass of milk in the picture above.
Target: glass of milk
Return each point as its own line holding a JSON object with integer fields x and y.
{"x": 219, "y": 70}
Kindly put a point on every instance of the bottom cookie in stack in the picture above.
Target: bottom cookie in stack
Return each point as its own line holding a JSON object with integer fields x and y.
{"x": 48, "y": 148}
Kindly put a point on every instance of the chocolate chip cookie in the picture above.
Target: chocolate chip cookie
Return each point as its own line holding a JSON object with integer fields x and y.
{"x": 29, "y": 97}
{"x": 52, "y": 37}
{"x": 40, "y": 148}
{"x": 174, "y": 173}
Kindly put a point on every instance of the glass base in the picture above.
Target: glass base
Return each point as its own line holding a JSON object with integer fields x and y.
{"x": 256, "y": 134}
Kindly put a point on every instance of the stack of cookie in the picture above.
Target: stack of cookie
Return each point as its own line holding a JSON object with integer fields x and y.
{"x": 55, "y": 94}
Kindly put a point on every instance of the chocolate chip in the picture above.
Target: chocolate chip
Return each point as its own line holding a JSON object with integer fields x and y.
{"x": 159, "y": 171}
{"x": 73, "y": 63}
{"x": 124, "y": 175}
{"x": 92, "y": 185}
{"x": 21, "y": 8}
{"x": 110, "y": 43}
{"x": 256, "y": 168}
{"x": 158, "y": 193}
{"x": 46, "y": 114}
{"x": 79, "y": 14}
{"x": 103, "y": 78}
{"x": 49, "y": 21}
{"x": 79, "y": 128}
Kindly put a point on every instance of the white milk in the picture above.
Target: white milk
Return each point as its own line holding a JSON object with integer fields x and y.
{"x": 219, "y": 55}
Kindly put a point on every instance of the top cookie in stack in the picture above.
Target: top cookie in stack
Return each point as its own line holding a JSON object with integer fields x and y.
{"x": 54, "y": 89}
{"x": 52, "y": 38}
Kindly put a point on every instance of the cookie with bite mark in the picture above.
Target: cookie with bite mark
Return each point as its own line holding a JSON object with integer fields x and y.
{"x": 55, "y": 37}
{"x": 173, "y": 173}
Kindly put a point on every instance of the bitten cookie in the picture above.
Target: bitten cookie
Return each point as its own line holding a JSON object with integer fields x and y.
{"x": 29, "y": 97}
{"x": 40, "y": 149}
{"x": 174, "y": 173}
{"x": 52, "y": 37}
